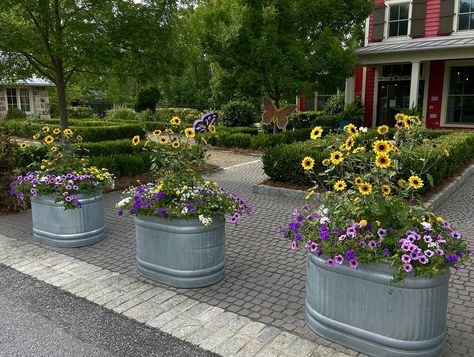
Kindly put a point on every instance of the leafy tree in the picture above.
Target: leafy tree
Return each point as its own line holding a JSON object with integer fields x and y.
{"x": 281, "y": 44}
{"x": 63, "y": 40}
{"x": 147, "y": 99}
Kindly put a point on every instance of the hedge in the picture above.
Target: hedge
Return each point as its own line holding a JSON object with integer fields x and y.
{"x": 302, "y": 120}
{"x": 124, "y": 164}
{"x": 283, "y": 163}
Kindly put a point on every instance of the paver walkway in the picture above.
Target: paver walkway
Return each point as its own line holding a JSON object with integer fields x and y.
{"x": 265, "y": 280}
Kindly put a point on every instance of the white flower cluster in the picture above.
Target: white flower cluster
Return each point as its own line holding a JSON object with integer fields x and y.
{"x": 205, "y": 220}
{"x": 123, "y": 202}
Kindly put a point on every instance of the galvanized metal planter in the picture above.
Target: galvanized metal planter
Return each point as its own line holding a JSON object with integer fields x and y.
{"x": 360, "y": 309}
{"x": 181, "y": 253}
{"x": 78, "y": 227}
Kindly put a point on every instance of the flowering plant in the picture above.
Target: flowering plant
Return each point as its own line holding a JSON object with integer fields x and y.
{"x": 180, "y": 191}
{"x": 369, "y": 212}
{"x": 61, "y": 173}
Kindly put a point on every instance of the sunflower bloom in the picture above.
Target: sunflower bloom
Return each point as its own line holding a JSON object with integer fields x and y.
{"x": 176, "y": 144}
{"x": 401, "y": 183}
{"x": 358, "y": 181}
{"x": 175, "y": 121}
{"x": 136, "y": 140}
{"x": 23, "y": 146}
{"x": 358, "y": 149}
{"x": 57, "y": 131}
{"x": 337, "y": 157}
{"x": 54, "y": 149}
{"x": 36, "y": 136}
{"x": 382, "y": 147}
{"x": 45, "y": 129}
{"x": 316, "y": 133}
{"x": 307, "y": 163}
{"x": 382, "y": 130}
{"x": 163, "y": 140}
{"x": 383, "y": 161}
{"x": 415, "y": 182}
{"x": 386, "y": 190}
{"x": 189, "y": 132}
{"x": 49, "y": 139}
{"x": 212, "y": 129}
{"x": 349, "y": 143}
{"x": 67, "y": 131}
{"x": 340, "y": 185}
{"x": 326, "y": 162}
{"x": 157, "y": 132}
{"x": 79, "y": 138}
{"x": 365, "y": 188}
{"x": 351, "y": 129}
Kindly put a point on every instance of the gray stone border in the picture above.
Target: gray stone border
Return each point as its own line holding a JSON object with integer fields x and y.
{"x": 209, "y": 327}
{"x": 279, "y": 191}
{"x": 441, "y": 197}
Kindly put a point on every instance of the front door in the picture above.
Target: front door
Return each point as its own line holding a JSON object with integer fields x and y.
{"x": 392, "y": 96}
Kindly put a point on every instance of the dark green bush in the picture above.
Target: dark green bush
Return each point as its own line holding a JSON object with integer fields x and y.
{"x": 8, "y": 165}
{"x": 238, "y": 113}
{"x": 235, "y": 140}
{"x": 95, "y": 134}
{"x": 310, "y": 119}
{"x": 121, "y": 114}
{"x": 15, "y": 113}
{"x": 147, "y": 99}
{"x": 110, "y": 147}
{"x": 124, "y": 164}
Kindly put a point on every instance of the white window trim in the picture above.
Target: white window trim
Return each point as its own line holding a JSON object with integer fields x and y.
{"x": 18, "y": 100}
{"x": 457, "y": 32}
{"x": 444, "y": 102}
{"x": 389, "y": 3}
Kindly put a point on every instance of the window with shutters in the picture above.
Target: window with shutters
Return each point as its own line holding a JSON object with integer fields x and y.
{"x": 466, "y": 15}
{"x": 460, "y": 96}
{"x": 12, "y": 98}
{"x": 398, "y": 19}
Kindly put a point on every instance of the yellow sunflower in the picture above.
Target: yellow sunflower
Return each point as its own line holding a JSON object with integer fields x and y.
{"x": 401, "y": 183}
{"x": 23, "y": 146}
{"x": 382, "y": 130}
{"x": 189, "y": 132}
{"x": 358, "y": 180}
{"x": 136, "y": 140}
{"x": 351, "y": 129}
{"x": 415, "y": 182}
{"x": 175, "y": 121}
{"x": 163, "y": 140}
{"x": 307, "y": 163}
{"x": 67, "y": 131}
{"x": 365, "y": 188}
{"x": 416, "y": 120}
{"x": 349, "y": 143}
{"x": 36, "y": 136}
{"x": 358, "y": 150}
{"x": 446, "y": 152}
{"x": 326, "y": 162}
{"x": 212, "y": 129}
{"x": 176, "y": 144}
{"x": 396, "y": 150}
{"x": 382, "y": 147}
{"x": 337, "y": 157}
{"x": 383, "y": 161}
{"x": 340, "y": 185}
{"x": 49, "y": 139}
{"x": 363, "y": 222}
{"x": 157, "y": 132}
{"x": 386, "y": 190}
{"x": 316, "y": 133}
{"x": 45, "y": 129}
{"x": 57, "y": 131}
{"x": 79, "y": 138}
{"x": 54, "y": 148}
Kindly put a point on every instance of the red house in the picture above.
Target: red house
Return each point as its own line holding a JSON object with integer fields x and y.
{"x": 417, "y": 54}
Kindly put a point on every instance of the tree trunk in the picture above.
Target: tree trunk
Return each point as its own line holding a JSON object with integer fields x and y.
{"x": 61, "y": 91}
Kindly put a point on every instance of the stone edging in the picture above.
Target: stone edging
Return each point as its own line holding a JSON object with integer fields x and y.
{"x": 201, "y": 324}
{"x": 441, "y": 197}
{"x": 434, "y": 203}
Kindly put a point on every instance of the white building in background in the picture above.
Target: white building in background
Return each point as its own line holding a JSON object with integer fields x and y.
{"x": 30, "y": 96}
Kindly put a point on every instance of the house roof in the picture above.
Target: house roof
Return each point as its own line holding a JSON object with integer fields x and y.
{"x": 33, "y": 82}
{"x": 418, "y": 49}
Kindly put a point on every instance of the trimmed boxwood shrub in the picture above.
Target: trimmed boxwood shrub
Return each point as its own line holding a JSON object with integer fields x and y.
{"x": 283, "y": 163}
{"x": 238, "y": 113}
{"x": 235, "y": 140}
{"x": 310, "y": 119}
{"x": 124, "y": 164}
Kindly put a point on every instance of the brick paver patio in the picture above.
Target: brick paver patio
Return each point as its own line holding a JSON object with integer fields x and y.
{"x": 265, "y": 281}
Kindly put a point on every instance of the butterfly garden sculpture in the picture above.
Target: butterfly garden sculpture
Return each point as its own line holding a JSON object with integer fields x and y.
{"x": 272, "y": 114}
{"x": 202, "y": 125}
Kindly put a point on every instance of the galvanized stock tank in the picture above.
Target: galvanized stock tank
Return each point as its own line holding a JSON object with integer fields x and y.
{"x": 181, "y": 253}
{"x": 361, "y": 310}
{"x": 53, "y": 225}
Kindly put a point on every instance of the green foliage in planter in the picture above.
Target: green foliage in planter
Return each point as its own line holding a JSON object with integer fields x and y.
{"x": 8, "y": 165}
{"x": 80, "y": 112}
{"x": 238, "y": 113}
{"x": 15, "y": 113}
{"x": 311, "y": 119}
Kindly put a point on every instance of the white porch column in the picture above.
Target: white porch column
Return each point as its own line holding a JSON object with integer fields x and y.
{"x": 415, "y": 83}
{"x": 297, "y": 102}
{"x": 350, "y": 89}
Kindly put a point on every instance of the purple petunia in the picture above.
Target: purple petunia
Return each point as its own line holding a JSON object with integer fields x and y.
{"x": 353, "y": 263}
{"x": 298, "y": 236}
{"x": 162, "y": 212}
{"x": 350, "y": 254}
{"x": 427, "y": 238}
{"x": 351, "y": 232}
{"x": 342, "y": 237}
{"x": 20, "y": 196}
{"x": 33, "y": 192}
{"x": 294, "y": 245}
{"x": 381, "y": 232}
{"x": 339, "y": 259}
{"x": 372, "y": 244}
{"x": 313, "y": 247}
{"x": 429, "y": 253}
{"x": 294, "y": 226}
{"x": 330, "y": 262}
{"x": 406, "y": 258}
{"x": 120, "y": 212}
{"x": 423, "y": 259}
{"x": 452, "y": 259}
{"x": 407, "y": 267}
{"x": 439, "y": 251}
{"x": 456, "y": 235}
